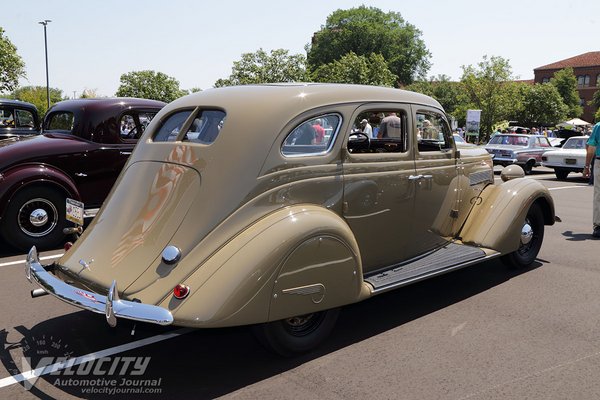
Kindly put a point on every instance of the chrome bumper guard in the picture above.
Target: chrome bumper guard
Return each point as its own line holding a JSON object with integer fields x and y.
{"x": 111, "y": 306}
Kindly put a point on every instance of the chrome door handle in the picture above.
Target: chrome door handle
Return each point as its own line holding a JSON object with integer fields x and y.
{"x": 415, "y": 177}
{"x": 125, "y": 153}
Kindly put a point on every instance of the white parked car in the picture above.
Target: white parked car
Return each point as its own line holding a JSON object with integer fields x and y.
{"x": 570, "y": 158}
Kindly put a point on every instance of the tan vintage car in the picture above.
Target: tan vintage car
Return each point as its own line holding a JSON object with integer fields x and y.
{"x": 267, "y": 206}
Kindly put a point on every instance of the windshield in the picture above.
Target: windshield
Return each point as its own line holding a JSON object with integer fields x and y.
{"x": 575, "y": 143}
{"x": 510, "y": 139}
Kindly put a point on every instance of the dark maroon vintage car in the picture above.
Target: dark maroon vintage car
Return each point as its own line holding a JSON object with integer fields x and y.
{"x": 82, "y": 149}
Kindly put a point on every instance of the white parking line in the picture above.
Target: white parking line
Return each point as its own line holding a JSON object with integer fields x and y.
{"x": 11, "y": 380}
{"x": 569, "y": 187}
{"x": 23, "y": 261}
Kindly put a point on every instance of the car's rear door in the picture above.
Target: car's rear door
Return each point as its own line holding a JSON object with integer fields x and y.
{"x": 378, "y": 192}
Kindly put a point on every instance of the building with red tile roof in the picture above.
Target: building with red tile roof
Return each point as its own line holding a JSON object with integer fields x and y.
{"x": 586, "y": 68}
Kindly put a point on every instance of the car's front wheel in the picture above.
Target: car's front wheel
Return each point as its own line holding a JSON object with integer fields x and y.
{"x": 35, "y": 216}
{"x": 532, "y": 236}
{"x": 296, "y": 335}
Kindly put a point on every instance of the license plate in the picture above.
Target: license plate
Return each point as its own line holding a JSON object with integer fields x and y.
{"x": 570, "y": 161}
{"x": 75, "y": 211}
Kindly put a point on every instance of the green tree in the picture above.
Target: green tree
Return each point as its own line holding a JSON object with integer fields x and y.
{"x": 490, "y": 89}
{"x": 36, "y": 95}
{"x": 566, "y": 83}
{"x": 450, "y": 95}
{"x": 149, "y": 85}
{"x": 351, "y": 68}
{"x": 541, "y": 104}
{"x": 366, "y": 30}
{"x": 260, "y": 67}
{"x": 12, "y": 66}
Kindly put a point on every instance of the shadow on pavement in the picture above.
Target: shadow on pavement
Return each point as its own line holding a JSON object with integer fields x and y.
{"x": 578, "y": 237}
{"x": 208, "y": 363}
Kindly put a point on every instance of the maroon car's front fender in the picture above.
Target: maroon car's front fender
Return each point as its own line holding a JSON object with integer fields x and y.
{"x": 20, "y": 176}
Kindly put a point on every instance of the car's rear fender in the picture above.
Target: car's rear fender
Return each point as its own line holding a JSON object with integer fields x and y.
{"x": 20, "y": 176}
{"x": 298, "y": 260}
{"x": 499, "y": 212}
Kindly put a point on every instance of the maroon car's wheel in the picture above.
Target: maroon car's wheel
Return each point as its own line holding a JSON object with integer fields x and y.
{"x": 532, "y": 235}
{"x": 35, "y": 216}
{"x": 296, "y": 335}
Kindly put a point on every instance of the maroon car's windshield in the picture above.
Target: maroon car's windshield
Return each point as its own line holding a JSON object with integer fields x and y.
{"x": 61, "y": 121}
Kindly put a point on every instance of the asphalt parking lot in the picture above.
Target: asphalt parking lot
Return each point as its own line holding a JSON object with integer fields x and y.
{"x": 484, "y": 332}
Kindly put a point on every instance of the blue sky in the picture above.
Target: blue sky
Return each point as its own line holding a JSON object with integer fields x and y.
{"x": 91, "y": 42}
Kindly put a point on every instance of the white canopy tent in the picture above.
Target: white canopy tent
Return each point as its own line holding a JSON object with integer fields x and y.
{"x": 574, "y": 122}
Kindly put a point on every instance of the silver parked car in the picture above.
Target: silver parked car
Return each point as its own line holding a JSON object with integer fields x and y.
{"x": 523, "y": 150}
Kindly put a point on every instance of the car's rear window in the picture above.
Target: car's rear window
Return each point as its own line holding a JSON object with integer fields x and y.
{"x": 195, "y": 126}
{"x": 60, "y": 121}
{"x": 574, "y": 143}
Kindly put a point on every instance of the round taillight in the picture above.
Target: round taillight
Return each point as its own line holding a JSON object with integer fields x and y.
{"x": 181, "y": 291}
{"x": 68, "y": 245}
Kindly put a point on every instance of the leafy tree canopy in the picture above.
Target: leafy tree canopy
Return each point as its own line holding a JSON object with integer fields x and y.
{"x": 450, "y": 94}
{"x": 36, "y": 95}
{"x": 566, "y": 83}
{"x": 351, "y": 68}
{"x": 366, "y": 30}
{"x": 260, "y": 67}
{"x": 491, "y": 89}
{"x": 149, "y": 85}
{"x": 12, "y": 66}
{"x": 541, "y": 104}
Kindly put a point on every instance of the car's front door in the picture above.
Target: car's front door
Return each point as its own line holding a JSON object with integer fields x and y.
{"x": 436, "y": 183}
{"x": 378, "y": 192}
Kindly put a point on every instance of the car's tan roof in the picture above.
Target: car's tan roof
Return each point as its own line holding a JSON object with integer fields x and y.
{"x": 297, "y": 97}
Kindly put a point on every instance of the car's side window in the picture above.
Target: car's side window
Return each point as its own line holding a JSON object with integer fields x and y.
{"x": 312, "y": 137}
{"x": 25, "y": 119}
{"x": 543, "y": 142}
{"x": 378, "y": 131}
{"x": 433, "y": 133}
{"x": 6, "y": 118}
{"x": 133, "y": 125}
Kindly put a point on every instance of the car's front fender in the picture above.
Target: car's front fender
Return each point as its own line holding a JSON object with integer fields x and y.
{"x": 298, "y": 260}
{"x": 499, "y": 212}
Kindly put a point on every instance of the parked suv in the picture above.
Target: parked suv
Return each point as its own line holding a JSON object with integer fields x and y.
{"x": 83, "y": 148}
{"x": 18, "y": 118}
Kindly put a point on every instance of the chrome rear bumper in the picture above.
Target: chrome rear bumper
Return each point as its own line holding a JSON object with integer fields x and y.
{"x": 111, "y": 306}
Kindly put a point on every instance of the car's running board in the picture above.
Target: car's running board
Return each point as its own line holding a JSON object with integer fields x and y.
{"x": 445, "y": 259}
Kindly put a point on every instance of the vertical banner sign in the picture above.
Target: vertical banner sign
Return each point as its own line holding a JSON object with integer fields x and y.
{"x": 473, "y": 121}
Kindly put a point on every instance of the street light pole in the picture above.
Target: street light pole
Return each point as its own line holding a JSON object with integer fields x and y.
{"x": 45, "y": 22}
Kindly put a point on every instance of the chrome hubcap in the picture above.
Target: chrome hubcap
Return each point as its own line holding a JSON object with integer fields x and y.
{"x": 38, "y": 217}
{"x": 526, "y": 233}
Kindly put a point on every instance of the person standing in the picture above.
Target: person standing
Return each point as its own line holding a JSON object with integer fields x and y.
{"x": 366, "y": 128}
{"x": 593, "y": 152}
{"x": 319, "y": 131}
{"x": 391, "y": 126}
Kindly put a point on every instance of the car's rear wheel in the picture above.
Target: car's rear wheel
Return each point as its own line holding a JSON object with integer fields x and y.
{"x": 35, "y": 216}
{"x": 296, "y": 335}
{"x": 561, "y": 173}
{"x": 532, "y": 236}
